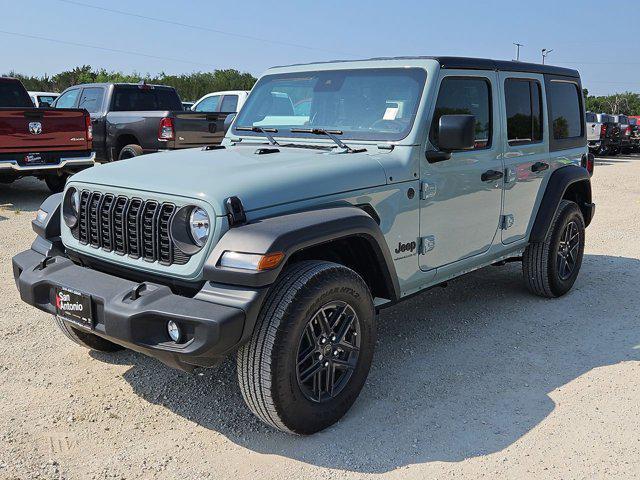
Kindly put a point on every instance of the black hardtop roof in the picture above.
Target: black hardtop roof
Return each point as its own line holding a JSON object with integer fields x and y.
{"x": 474, "y": 64}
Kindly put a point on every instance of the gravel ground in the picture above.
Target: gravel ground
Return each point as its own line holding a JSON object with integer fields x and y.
{"x": 479, "y": 379}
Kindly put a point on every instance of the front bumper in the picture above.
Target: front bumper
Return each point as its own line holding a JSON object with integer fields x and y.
{"x": 134, "y": 320}
{"x": 67, "y": 164}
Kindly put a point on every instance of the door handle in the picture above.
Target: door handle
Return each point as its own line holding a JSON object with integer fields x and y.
{"x": 491, "y": 175}
{"x": 539, "y": 166}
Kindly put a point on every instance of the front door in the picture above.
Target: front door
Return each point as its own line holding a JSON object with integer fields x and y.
{"x": 461, "y": 197}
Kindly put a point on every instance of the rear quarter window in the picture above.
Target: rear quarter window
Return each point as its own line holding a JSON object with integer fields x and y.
{"x": 564, "y": 104}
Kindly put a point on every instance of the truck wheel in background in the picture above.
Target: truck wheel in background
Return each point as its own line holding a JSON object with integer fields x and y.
{"x": 311, "y": 349}
{"x": 56, "y": 182}
{"x": 86, "y": 339}
{"x": 550, "y": 267}
{"x": 130, "y": 151}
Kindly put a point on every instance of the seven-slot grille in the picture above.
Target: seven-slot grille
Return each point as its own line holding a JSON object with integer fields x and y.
{"x": 128, "y": 226}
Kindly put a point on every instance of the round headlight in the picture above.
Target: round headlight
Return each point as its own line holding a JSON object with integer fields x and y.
{"x": 199, "y": 226}
{"x": 71, "y": 207}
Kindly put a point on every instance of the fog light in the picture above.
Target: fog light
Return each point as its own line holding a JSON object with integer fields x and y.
{"x": 174, "y": 331}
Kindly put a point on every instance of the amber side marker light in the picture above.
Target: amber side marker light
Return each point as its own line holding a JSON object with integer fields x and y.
{"x": 251, "y": 261}
{"x": 270, "y": 260}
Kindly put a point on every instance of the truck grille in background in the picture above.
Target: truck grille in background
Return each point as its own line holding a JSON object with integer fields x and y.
{"x": 128, "y": 226}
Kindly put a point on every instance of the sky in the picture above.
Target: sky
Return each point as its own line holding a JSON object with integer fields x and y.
{"x": 48, "y": 36}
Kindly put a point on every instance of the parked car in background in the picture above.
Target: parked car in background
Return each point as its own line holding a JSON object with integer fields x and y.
{"x": 187, "y": 105}
{"x": 41, "y": 142}
{"x": 634, "y": 122}
{"x": 612, "y": 134}
{"x": 596, "y": 134}
{"x": 43, "y": 99}
{"x": 625, "y": 132}
{"x": 133, "y": 119}
{"x": 228, "y": 102}
{"x": 282, "y": 246}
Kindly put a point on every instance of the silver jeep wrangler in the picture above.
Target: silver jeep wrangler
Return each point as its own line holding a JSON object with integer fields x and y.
{"x": 340, "y": 189}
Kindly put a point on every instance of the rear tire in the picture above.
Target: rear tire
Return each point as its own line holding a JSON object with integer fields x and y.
{"x": 551, "y": 267}
{"x": 56, "y": 183}
{"x": 130, "y": 151}
{"x": 311, "y": 349}
{"x": 86, "y": 339}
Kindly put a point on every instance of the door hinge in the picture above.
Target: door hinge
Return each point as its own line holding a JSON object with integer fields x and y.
{"x": 427, "y": 244}
{"x": 506, "y": 221}
{"x": 427, "y": 190}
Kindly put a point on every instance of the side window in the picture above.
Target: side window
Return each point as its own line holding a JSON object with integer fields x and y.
{"x": 229, "y": 103}
{"x": 564, "y": 106}
{"x": 469, "y": 96}
{"x": 209, "y": 104}
{"x": 68, "y": 99}
{"x": 91, "y": 99}
{"x": 523, "y": 102}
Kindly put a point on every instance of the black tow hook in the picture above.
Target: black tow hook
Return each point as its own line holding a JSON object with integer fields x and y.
{"x": 45, "y": 263}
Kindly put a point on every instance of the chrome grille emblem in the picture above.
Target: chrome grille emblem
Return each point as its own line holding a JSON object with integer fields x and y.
{"x": 35, "y": 128}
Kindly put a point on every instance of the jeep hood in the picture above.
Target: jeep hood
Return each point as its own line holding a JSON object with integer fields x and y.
{"x": 260, "y": 181}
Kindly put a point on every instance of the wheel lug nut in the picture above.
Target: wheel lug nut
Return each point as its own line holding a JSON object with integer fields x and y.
{"x": 335, "y": 353}
{"x": 323, "y": 341}
{"x": 320, "y": 357}
{"x": 326, "y": 364}
{"x": 333, "y": 338}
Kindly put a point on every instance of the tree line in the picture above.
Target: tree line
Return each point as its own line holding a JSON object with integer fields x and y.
{"x": 190, "y": 86}
{"x": 627, "y": 103}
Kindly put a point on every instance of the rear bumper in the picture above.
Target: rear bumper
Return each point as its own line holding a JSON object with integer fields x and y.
{"x": 135, "y": 321}
{"x": 64, "y": 163}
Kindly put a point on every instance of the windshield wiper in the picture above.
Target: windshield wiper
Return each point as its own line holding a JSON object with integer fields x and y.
{"x": 331, "y": 134}
{"x": 265, "y": 131}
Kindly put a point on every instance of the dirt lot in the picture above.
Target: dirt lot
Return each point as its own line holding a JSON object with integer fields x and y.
{"x": 479, "y": 379}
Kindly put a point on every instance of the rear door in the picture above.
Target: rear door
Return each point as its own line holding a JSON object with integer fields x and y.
{"x": 526, "y": 155}
{"x": 229, "y": 104}
{"x": 461, "y": 196}
{"x": 92, "y": 99}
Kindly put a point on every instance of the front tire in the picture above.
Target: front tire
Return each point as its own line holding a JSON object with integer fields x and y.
{"x": 311, "y": 349}
{"x": 551, "y": 267}
{"x": 86, "y": 339}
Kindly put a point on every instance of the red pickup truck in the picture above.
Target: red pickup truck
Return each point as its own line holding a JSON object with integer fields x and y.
{"x": 47, "y": 143}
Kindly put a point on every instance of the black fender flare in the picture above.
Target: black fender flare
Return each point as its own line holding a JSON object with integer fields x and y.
{"x": 560, "y": 181}
{"x": 291, "y": 233}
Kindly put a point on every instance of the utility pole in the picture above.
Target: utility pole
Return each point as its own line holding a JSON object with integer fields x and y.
{"x": 545, "y": 52}
{"x": 518, "y": 45}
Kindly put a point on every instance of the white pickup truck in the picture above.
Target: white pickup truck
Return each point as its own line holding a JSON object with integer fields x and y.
{"x": 597, "y": 125}
{"x": 229, "y": 102}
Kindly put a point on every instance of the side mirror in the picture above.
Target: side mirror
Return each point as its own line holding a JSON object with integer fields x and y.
{"x": 228, "y": 121}
{"x": 455, "y": 132}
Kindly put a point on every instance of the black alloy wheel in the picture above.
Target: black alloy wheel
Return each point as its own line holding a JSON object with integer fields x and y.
{"x": 328, "y": 351}
{"x": 567, "y": 255}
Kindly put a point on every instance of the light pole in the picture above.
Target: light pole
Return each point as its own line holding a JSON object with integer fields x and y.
{"x": 518, "y": 45}
{"x": 545, "y": 52}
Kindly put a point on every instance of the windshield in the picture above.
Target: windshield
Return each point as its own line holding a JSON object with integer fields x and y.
{"x": 369, "y": 104}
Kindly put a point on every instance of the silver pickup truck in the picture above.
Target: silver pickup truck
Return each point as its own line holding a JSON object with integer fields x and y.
{"x": 133, "y": 119}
